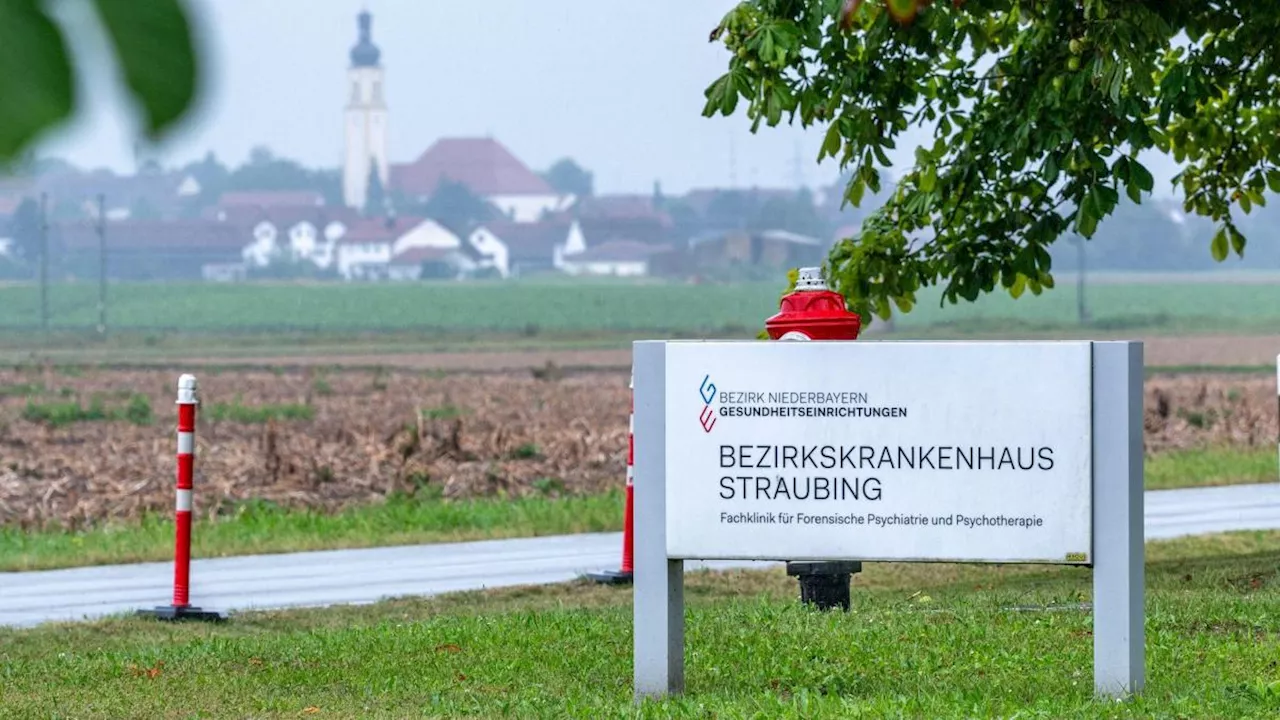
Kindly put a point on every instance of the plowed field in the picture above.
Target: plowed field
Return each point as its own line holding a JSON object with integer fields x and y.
{"x": 77, "y": 449}
{"x": 1158, "y": 351}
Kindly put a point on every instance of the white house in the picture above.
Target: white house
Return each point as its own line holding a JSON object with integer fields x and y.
{"x": 295, "y": 238}
{"x": 493, "y": 251}
{"x": 427, "y": 234}
{"x": 364, "y": 251}
{"x": 417, "y": 263}
{"x": 516, "y": 248}
{"x": 363, "y": 259}
{"x": 325, "y": 253}
{"x": 530, "y": 208}
{"x": 368, "y": 250}
{"x": 262, "y": 249}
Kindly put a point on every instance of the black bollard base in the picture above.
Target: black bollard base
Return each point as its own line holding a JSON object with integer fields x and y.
{"x": 611, "y": 577}
{"x": 824, "y": 585}
{"x": 174, "y": 613}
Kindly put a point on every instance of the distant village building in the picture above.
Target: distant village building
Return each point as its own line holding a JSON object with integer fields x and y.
{"x": 367, "y": 247}
{"x": 774, "y": 249}
{"x": 529, "y": 248}
{"x": 166, "y": 225}
{"x": 488, "y": 169}
{"x": 151, "y": 249}
{"x": 294, "y": 234}
{"x": 146, "y": 195}
{"x": 619, "y": 258}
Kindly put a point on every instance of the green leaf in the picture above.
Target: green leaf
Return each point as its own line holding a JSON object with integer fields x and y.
{"x": 1219, "y": 245}
{"x": 153, "y": 44}
{"x": 721, "y": 96}
{"x": 1117, "y": 81}
{"x": 882, "y": 309}
{"x": 773, "y": 106}
{"x": 1088, "y": 215}
{"x": 37, "y": 88}
{"x": 766, "y": 43}
{"x": 1133, "y": 191}
{"x": 1237, "y": 240}
{"x": 1019, "y": 286}
{"x": 929, "y": 180}
{"x": 832, "y": 142}
{"x": 1273, "y": 180}
{"x": 880, "y": 156}
{"x": 1141, "y": 176}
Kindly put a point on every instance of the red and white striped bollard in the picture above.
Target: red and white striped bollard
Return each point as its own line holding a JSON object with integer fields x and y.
{"x": 625, "y": 574}
{"x": 181, "y": 609}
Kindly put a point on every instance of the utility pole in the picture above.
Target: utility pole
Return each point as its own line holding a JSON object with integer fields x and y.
{"x": 1082, "y": 313}
{"x": 733, "y": 163}
{"x": 44, "y": 263}
{"x": 798, "y": 167}
{"x": 102, "y": 266}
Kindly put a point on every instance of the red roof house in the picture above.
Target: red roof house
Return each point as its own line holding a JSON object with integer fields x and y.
{"x": 482, "y": 164}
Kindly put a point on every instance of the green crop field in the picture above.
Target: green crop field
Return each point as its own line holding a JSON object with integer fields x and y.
{"x": 593, "y": 306}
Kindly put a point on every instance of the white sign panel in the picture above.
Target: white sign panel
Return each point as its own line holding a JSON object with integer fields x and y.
{"x": 879, "y": 451}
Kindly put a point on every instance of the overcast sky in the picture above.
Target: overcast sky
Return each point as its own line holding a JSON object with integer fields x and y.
{"x": 616, "y": 85}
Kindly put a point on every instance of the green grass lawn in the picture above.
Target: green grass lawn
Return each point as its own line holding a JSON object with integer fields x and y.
{"x": 256, "y": 529}
{"x": 937, "y": 641}
{"x": 534, "y": 307}
{"x": 1213, "y": 466}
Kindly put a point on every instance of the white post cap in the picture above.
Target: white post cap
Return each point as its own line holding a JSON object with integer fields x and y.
{"x": 810, "y": 280}
{"x": 187, "y": 389}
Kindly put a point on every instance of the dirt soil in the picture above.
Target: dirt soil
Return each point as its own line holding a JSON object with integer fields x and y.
{"x": 1207, "y": 350}
{"x": 377, "y": 433}
{"x": 371, "y": 435}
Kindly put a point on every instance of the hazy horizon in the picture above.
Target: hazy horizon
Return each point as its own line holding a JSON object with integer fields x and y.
{"x": 616, "y": 86}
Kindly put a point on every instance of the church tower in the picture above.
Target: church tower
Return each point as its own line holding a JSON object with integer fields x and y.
{"x": 366, "y": 119}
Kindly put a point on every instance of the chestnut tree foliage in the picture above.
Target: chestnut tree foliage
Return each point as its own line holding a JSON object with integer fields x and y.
{"x": 150, "y": 42}
{"x": 1041, "y": 109}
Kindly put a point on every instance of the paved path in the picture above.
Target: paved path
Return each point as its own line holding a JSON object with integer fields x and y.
{"x": 362, "y": 576}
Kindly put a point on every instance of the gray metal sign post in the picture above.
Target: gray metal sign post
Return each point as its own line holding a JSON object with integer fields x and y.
{"x": 1119, "y": 640}
{"x": 659, "y": 582}
{"x": 1117, "y": 527}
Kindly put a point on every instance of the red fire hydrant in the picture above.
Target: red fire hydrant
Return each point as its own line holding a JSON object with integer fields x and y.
{"x": 815, "y": 312}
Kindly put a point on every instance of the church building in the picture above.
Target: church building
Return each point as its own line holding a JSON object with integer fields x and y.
{"x": 366, "y": 119}
{"x": 484, "y": 165}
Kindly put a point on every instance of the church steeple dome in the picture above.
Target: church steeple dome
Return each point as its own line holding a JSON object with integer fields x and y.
{"x": 365, "y": 53}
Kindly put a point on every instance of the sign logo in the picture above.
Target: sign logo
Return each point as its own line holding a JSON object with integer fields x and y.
{"x": 707, "y": 418}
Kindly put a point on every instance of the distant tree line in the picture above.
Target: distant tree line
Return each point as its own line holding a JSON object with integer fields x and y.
{"x": 1154, "y": 236}
{"x": 264, "y": 171}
